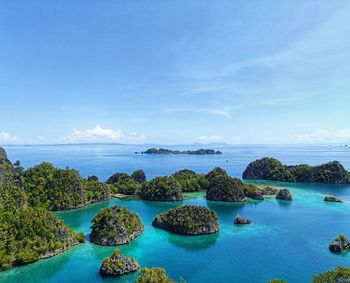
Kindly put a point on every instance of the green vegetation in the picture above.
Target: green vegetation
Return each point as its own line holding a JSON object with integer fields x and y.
{"x": 154, "y": 275}
{"x": 190, "y": 181}
{"x": 27, "y": 233}
{"x": 272, "y": 169}
{"x": 162, "y": 189}
{"x": 118, "y": 264}
{"x": 122, "y": 183}
{"x": 339, "y": 275}
{"x": 253, "y": 192}
{"x": 139, "y": 176}
{"x": 115, "y": 226}
{"x": 277, "y": 281}
{"x": 168, "y": 151}
{"x": 60, "y": 189}
{"x": 189, "y": 220}
{"x": 223, "y": 187}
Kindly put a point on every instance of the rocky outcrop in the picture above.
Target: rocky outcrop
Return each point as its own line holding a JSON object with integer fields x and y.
{"x": 188, "y": 220}
{"x": 252, "y": 192}
{"x": 117, "y": 177}
{"x": 3, "y": 153}
{"x": 332, "y": 199}
{"x": 162, "y": 189}
{"x": 223, "y": 187}
{"x": 272, "y": 169}
{"x": 241, "y": 220}
{"x": 284, "y": 194}
{"x": 115, "y": 226}
{"x": 139, "y": 176}
{"x": 118, "y": 264}
{"x": 269, "y": 191}
{"x": 339, "y": 244}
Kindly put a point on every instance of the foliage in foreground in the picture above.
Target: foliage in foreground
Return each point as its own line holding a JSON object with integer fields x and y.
{"x": 154, "y": 275}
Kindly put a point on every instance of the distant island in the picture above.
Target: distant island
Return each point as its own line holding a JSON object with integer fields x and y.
{"x": 271, "y": 169}
{"x": 169, "y": 151}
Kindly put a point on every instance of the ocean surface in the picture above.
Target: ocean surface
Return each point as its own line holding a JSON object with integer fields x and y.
{"x": 286, "y": 240}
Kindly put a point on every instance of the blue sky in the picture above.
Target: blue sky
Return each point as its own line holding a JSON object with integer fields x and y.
{"x": 175, "y": 71}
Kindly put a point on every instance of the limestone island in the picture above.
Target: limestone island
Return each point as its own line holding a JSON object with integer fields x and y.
{"x": 339, "y": 244}
{"x": 201, "y": 151}
{"x": 188, "y": 220}
{"x": 190, "y": 181}
{"x": 253, "y": 192}
{"x": 269, "y": 191}
{"x": 332, "y": 199}
{"x": 223, "y": 187}
{"x": 115, "y": 226}
{"x": 122, "y": 183}
{"x": 27, "y": 233}
{"x": 118, "y": 264}
{"x": 284, "y": 194}
{"x": 272, "y": 169}
{"x": 161, "y": 189}
{"x": 241, "y": 220}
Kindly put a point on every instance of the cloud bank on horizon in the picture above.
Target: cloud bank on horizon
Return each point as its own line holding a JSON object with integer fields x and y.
{"x": 175, "y": 72}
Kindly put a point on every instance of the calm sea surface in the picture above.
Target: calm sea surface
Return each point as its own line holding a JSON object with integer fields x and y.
{"x": 286, "y": 240}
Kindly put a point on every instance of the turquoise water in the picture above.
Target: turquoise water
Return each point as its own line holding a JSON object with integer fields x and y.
{"x": 285, "y": 240}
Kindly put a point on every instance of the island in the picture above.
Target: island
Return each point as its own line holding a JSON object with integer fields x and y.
{"x": 253, "y": 192}
{"x": 223, "y": 187}
{"x": 201, "y": 151}
{"x": 122, "y": 183}
{"x": 115, "y": 226}
{"x": 154, "y": 275}
{"x": 339, "y": 244}
{"x": 239, "y": 220}
{"x": 332, "y": 199}
{"x": 269, "y": 191}
{"x": 27, "y": 233}
{"x": 118, "y": 264}
{"x": 284, "y": 194}
{"x": 188, "y": 220}
{"x": 161, "y": 189}
{"x": 190, "y": 181}
{"x": 272, "y": 169}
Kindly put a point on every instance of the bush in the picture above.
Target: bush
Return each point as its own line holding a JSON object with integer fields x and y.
{"x": 153, "y": 275}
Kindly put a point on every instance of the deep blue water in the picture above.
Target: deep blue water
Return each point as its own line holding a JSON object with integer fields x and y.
{"x": 285, "y": 240}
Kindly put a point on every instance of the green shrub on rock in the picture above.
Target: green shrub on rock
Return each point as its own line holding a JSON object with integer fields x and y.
{"x": 154, "y": 275}
{"x": 115, "y": 226}
{"x": 339, "y": 275}
{"x": 188, "y": 220}
{"x": 162, "y": 189}
{"x": 190, "y": 181}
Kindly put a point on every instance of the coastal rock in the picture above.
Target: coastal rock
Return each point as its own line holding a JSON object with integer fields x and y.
{"x": 188, "y": 220}
{"x": 139, "y": 176}
{"x": 332, "y": 199}
{"x": 339, "y": 244}
{"x": 241, "y": 220}
{"x": 162, "y": 189}
{"x": 115, "y": 226}
{"x": 252, "y": 192}
{"x": 284, "y": 194}
{"x": 118, "y": 264}
{"x": 223, "y": 187}
{"x": 269, "y": 191}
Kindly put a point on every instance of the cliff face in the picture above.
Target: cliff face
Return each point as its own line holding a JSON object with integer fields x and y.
{"x": 272, "y": 169}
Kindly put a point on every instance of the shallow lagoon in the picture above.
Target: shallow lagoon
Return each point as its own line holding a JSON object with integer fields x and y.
{"x": 285, "y": 240}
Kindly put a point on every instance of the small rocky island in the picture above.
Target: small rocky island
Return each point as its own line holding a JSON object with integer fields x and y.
{"x": 253, "y": 192}
{"x": 162, "y": 189}
{"x": 223, "y": 187}
{"x": 272, "y": 169}
{"x": 122, "y": 183}
{"x": 284, "y": 194}
{"x": 115, "y": 226}
{"x": 241, "y": 220}
{"x": 118, "y": 264}
{"x": 269, "y": 191}
{"x": 332, "y": 199}
{"x": 339, "y": 244}
{"x": 188, "y": 220}
{"x": 190, "y": 181}
{"x": 201, "y": 151}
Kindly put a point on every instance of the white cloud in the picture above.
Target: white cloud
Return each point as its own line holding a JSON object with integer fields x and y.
{"x": 6, "y": 137}
{"x": 206, "y": 139}
{"x": 99, "y": 134}
{"x": 324, "y": 135}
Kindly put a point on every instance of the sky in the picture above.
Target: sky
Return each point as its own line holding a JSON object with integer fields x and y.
{"x": 174, "y": 72}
